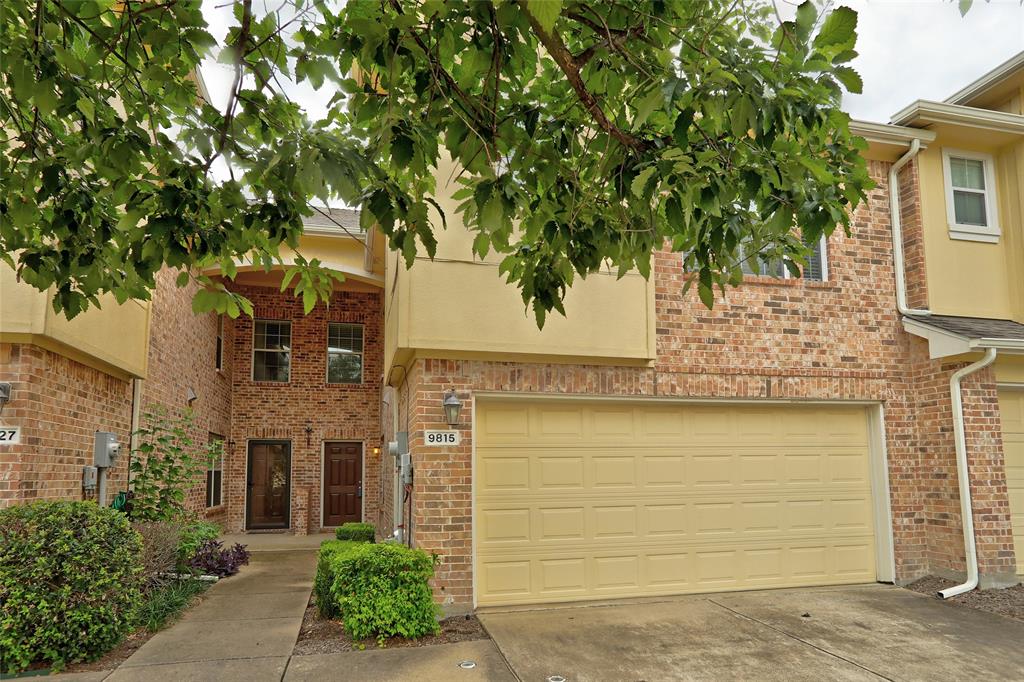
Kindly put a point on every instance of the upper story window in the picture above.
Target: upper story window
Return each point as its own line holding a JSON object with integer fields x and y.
{"x": 271, "y": 350}
{"x": 219, "y": 357}
{"x": 816, "y": 269}
{"x": 970, "y": 195}
{"x": 344, "y": 353}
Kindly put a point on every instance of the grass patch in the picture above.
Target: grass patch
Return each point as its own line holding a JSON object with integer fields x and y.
{"x": 163, "y": 605}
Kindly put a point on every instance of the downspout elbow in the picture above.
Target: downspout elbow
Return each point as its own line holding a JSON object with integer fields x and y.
{"x": 897, "y": 233}
{"x": 963, "y": 474}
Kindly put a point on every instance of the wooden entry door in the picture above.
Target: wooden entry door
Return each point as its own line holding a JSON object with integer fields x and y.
{"x": 343, "y": 483}
{"x": 269, "y": 494}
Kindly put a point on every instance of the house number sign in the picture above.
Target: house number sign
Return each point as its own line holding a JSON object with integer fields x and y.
{"x": 10, "y": 435}
{"x": 439, "y": 437}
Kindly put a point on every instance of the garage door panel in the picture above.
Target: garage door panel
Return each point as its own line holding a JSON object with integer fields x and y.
{"x": 665, "y": 518}
{"x": 572, "y": 576}
{"x": 1011, "y": 413}
{"x": 640, "y": 499}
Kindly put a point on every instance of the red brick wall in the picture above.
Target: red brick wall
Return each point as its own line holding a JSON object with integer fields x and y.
{"x": 267, "y": 410}
{"x": 59, "y": 404}
{"x": 840, "y": 339}
{"x": 912, "y": 225}
{"x": 938, "y": 473}
{"x": 182, "y": 350}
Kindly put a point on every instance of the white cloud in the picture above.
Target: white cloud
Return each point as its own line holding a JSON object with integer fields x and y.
{"x": 926, "y": 50}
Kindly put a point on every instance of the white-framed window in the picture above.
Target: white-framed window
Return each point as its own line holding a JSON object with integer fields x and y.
{"x": 344, "y": 353}
{"x": 271, "y": 350}
{"x": 816, "y": 269}
{"x": 219, "y": 357}
{"x": 215, "y": 473}
{"x": 970, "y": 180}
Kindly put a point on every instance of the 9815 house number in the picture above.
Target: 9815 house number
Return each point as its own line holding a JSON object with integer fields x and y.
{"x": 439, "y": 437}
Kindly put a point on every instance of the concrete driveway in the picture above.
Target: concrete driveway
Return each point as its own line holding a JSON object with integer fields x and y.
{"x": 868, "y": 632}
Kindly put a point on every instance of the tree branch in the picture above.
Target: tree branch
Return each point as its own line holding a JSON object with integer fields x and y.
{"x": 552, "y": 42}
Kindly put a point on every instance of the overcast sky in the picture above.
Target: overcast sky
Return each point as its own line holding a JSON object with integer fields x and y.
{"x": 909, "y": 50}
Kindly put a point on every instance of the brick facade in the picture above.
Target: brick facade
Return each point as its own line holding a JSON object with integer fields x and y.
{"x": 794, "y": 339}
{"x": 182, "y": 356}
{"x": 284, "y": 411}
{"x": 59, "y": 403}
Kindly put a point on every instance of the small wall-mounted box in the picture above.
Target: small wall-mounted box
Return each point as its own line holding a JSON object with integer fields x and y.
{"x": 89, "y": 476}
{"x": 105, "y": 449}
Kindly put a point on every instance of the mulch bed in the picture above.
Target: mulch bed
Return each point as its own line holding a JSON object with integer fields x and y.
{"x": 321, "y": 636}
{"x": 1008, "y": 602}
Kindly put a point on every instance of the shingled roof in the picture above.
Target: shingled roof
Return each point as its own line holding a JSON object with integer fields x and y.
{"x": 974, "y": 327}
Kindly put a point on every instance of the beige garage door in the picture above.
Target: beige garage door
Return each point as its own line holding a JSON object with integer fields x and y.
{"x": 589, "y": 500}
{"x": 1011, "y": 412}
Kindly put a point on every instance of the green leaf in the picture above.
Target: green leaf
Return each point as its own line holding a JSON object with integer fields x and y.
{"x": 850, "y": 79}
{"x": 839, "y": 30}
{"x": 654, "y": 99}
{"x": 87, "y": 108}
{"x": 965, "y": 6}
{"x": 639, "y": 184}
{"x": 546, "y": 12}
{"x": 493, "y": 214}
{"x": 806, "y": 16}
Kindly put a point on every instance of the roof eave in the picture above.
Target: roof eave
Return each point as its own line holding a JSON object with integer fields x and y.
{"x": 924, "y": 112}
{"x": 943, "y": 343}
{"x": 986, "y": 82}
{"x": 887, "y": 133}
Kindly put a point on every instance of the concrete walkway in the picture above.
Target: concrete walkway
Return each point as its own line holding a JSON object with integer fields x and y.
{"x": 244, "y": 629}
{"x": 246, "y": 626}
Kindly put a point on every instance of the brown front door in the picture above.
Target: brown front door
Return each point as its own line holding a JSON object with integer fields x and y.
{"x": 343, "y": 483}
{"x": 269, "y": 494}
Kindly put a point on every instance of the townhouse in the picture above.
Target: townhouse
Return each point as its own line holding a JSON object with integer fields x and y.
{"x": 817, "y": 430}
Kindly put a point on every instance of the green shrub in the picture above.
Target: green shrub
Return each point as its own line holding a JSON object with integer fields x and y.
{"x": 325, "y": 602}
{"x": 70, "y": 575}
{"x": 193, "y": 535}
{"x": 357, "y": 532}
{"x": 163, "y": 604}
{"x": 383, "y": 590}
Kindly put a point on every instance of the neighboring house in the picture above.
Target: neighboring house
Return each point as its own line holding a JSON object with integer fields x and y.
{"x": 801, "y": 433}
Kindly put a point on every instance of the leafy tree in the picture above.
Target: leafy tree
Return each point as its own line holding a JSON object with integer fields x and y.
{"x": 588, "y": 134}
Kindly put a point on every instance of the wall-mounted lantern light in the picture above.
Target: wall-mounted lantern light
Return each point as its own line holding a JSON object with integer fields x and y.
{"x": 452, "y": 407}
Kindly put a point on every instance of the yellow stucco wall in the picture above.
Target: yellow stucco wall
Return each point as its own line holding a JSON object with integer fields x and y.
{"x": 968, "y": 278}
{"x": 113, "y": 338}
{"x": 458, "y": 303}
{"x": 1010, "y": 369}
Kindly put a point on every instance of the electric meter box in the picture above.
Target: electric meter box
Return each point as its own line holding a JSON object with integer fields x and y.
{"x": 105, "y": 449}
{"x": 89, "y": 476}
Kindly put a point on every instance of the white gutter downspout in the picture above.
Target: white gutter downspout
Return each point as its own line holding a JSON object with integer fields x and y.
{"x": 963, "y": 474}
{"x": 897, "y": 231}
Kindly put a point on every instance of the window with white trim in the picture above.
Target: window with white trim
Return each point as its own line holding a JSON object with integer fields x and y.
{"x": 271, "y": 351}
{"x": 344, "y": 353}
{"x": 215, "y": 472}
{"x": 970, "y": 195}
{"x": 816, "y": 269}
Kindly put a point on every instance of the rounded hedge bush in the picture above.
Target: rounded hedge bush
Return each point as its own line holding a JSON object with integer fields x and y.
{"x": 356, "y": 532}
{"x": 383, "y": 590}
{"x": 70, "y": 577}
